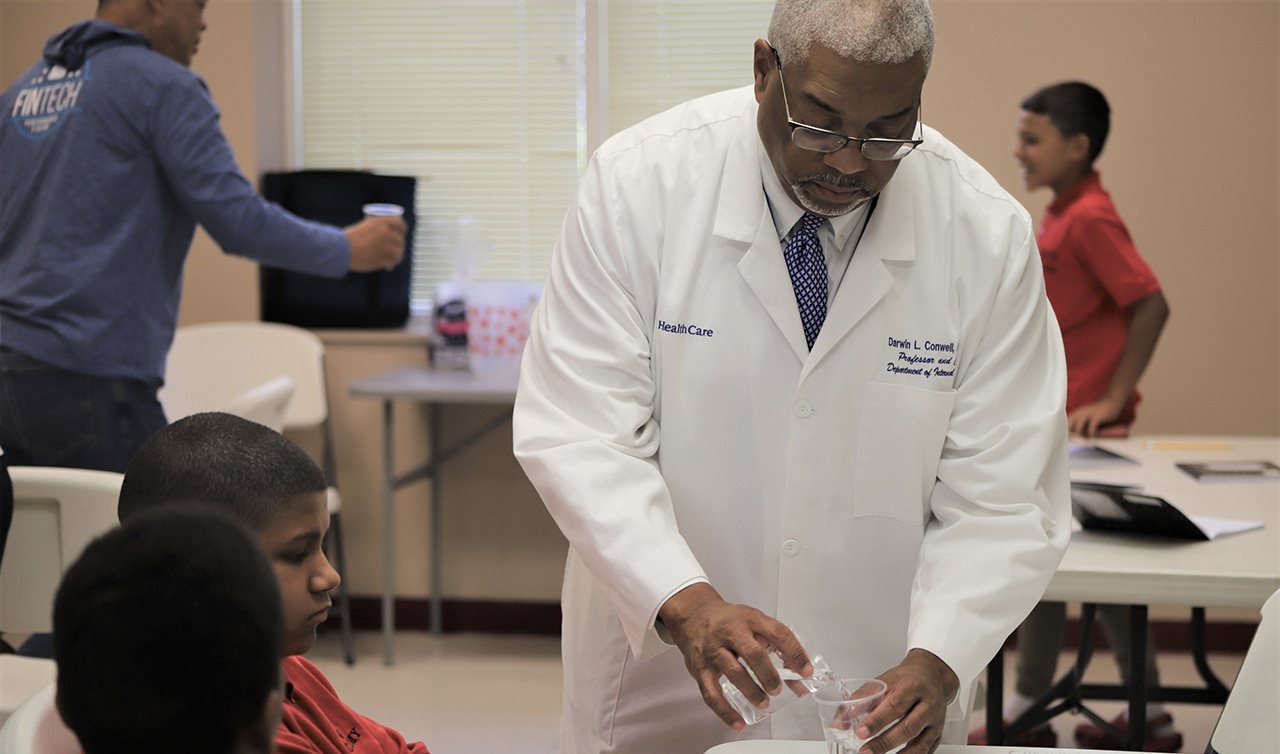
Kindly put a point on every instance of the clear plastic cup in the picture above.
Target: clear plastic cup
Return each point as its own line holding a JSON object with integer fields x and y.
{"x": 382, "y": 210}
{"x": 793, "y": 686}
{"x": 843, "y": 707}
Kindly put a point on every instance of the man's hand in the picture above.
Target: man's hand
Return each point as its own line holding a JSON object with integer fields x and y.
{"x": 1087, "y": 420}
{"x": 919, "y": 690}
{"x": 377, "y": 243}
{"x": 712, "y": 634}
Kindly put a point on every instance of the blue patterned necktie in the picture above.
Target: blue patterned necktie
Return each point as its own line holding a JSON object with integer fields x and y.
{"x": 808, "y": 268}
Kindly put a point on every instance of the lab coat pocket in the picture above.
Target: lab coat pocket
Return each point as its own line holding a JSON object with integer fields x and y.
{"x": 900, "y": 436}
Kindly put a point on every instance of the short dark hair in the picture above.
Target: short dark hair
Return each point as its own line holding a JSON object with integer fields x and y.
{"x": 219, "y": 459}
{"x": 1074, "y": 107}
{"x": 167, "y": 634}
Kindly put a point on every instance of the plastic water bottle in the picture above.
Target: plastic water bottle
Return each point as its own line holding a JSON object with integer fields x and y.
{"x": 793, "y": 687}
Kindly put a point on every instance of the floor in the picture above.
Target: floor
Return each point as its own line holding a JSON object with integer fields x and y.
{"x": 460, "y": 693}
{"x": 481, "y": 694}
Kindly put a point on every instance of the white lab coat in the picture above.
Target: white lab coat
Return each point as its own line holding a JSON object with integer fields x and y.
{"x": 677, "y": 427}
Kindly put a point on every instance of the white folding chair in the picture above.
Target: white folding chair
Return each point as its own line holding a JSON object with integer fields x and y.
{"x": 265, "y": 404}
{"x": 36, "y": 728}
{"x": 56, "y": 514}
{"x": 214, "y": 366}
{"x": 20, "y": 678}
{"x": 220, "y": 368}
{"x": 1250, "y": 720}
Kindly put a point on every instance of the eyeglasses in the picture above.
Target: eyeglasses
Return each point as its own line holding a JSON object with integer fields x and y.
{"x": 822, "y": 140}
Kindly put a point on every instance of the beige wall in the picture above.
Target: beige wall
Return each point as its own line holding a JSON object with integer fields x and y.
{"x": 26, "y": 24}
{"x": 218, "y": 286}
{"x": 1181, "y": 76}
{"x": 1178, "y": 75}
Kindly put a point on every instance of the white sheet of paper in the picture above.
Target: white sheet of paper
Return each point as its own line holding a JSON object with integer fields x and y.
{"x": 1217, "y": 527}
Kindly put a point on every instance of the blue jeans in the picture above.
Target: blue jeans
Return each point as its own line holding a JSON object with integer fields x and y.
{"x": 52, "y": 417}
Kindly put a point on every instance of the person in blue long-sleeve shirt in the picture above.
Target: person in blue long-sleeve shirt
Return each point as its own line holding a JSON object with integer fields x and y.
{"x": 111, "y": 153}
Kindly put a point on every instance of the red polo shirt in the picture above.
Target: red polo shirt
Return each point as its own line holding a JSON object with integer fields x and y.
{"x": 1092, "y": 274}
{"x": 316, "y": 721}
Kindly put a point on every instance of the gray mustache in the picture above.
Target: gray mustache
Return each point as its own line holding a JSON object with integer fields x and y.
{"x": 841, "y": 181}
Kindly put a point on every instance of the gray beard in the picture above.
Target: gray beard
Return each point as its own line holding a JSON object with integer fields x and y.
{"x": 811, "y": 206}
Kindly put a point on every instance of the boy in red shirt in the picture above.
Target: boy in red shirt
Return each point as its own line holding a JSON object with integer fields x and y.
{"x": 1111, "y": 311}
{"x": 1108, "y": 302}
{"x": 272, "y": 486}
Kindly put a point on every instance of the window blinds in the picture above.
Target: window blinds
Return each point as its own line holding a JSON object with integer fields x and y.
{"x": 479, "y": 99}
{"x": 484, "y": 101}
{"x": 664, "y": 52}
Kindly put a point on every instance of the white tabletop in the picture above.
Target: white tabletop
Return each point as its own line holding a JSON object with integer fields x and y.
{"x": 1238, "y": 570}
{"x": 427, "y": 385}
{"x": 820, "y": 747}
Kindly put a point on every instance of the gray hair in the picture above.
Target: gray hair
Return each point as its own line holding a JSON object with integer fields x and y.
{"x": 884, "y": 32}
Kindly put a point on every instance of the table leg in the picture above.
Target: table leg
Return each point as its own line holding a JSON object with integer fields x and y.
{"x": 388, "y": 536}
{"x": 437, "y": 577}
{"x": 995, "y": 699}
{"x": 1137, "y": 676}
{"x": 1215, "y": 690}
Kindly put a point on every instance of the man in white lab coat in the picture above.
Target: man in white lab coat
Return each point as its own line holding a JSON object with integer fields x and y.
{"x": 768, "y": 386}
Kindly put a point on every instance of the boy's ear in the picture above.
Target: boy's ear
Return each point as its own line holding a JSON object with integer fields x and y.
{"x": 1078, "y": 148}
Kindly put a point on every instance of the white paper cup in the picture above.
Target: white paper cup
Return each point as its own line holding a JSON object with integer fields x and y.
{"x": 383, "y": 210}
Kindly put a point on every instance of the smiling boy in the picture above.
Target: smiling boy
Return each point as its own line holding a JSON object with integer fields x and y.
{"x": 272, "y": 486}
{"x": 1108, "y": 302}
